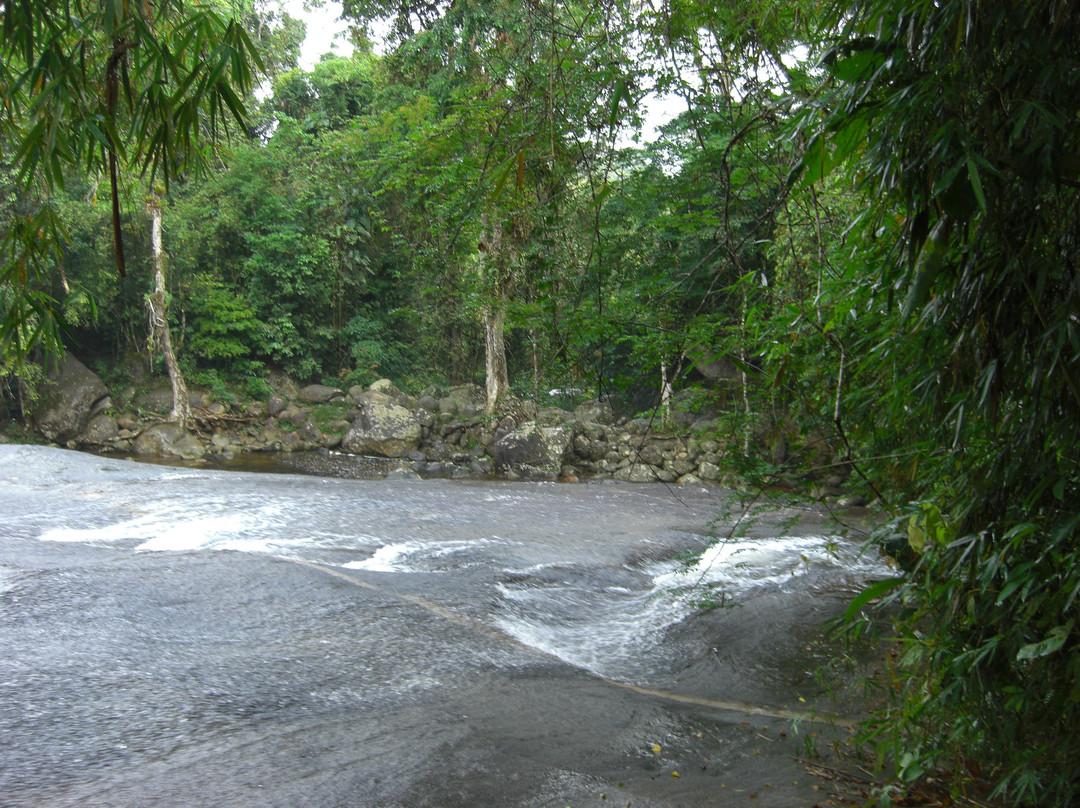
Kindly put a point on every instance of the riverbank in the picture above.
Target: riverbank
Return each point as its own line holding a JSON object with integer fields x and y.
{"x": 440, "y": 433}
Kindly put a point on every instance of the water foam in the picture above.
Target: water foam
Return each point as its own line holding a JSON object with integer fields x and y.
{"x": 416, "y": 556}
{"x": 166, "y": 531}
{"x": 739, "y": 565}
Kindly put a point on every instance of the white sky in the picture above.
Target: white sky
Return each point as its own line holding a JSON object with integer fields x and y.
{"x": 325, "y": 32}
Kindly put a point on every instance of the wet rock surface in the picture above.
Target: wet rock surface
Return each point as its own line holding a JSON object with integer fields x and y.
{"x": 187, "y": 637}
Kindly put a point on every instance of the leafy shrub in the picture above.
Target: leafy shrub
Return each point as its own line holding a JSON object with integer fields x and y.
{"x": 222, "y": 327}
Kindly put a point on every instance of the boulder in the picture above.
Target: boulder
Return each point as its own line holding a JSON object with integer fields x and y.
{"x": 594, "y": 412}
{"x": 282, "y": 384}
{"x": 69, "y": 397}
{"x": 319, "y": 394}
{"x": 590, "y": 450}
{"x": 708, "y": 471}
{"x": 553, "y": 415}
{"x": 101, "y": 430}
{"x": 291, "y": 442}
{"x": 294, "y": 415}
{"x": 469, "y": 395}
{"x": 649, "y": 454}
{"x": 385, "y": 387}
{"x": 168, "y": 440}
{"x": 276, "y": 405}
{"x": 637, "y": 473}
{"x": 311, "y": 433}
{"x": 373, "y": 396}
{"x": 157, "y": 401}
{"x": 385, "y": 430}
{"x": 532, "y": 452}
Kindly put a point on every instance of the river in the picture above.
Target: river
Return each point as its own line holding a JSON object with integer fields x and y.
{"x": 192, "y": 636}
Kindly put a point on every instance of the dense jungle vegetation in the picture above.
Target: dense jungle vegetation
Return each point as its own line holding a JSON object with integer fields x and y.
{"x": 866, "y": 216}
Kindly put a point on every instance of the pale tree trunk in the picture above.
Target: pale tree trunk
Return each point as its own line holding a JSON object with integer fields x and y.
{"x": 495, "y": 260}
{"x": 743, "y": 378}
{"x": 496, "y": 376}
{"x": 665, "y": 392}
{"x": 534, "y": 336}
{"x": 158, "y": 314}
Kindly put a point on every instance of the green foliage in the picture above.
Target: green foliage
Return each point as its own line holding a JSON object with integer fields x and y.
{"x": 212, "y": 379}
{"x": 221, "y": 327}
{"x": 953, "y": 117}
{"x": 256, "y": 388}
{"x": 374, "y": 353}
{"x": 91, "y": 88}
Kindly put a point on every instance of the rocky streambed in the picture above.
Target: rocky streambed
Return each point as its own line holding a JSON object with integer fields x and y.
{"x": 437, "y": 434}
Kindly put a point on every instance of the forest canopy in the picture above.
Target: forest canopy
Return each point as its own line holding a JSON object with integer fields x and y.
{"x": 861, "y": 232}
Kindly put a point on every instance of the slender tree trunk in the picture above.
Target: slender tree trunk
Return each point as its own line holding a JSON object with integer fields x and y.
{"x": 158, "y": 314}
{"x": 496, "y": 376}
{"x": 496, "y": 272}
{"x": 534, "y": 335}
{"x": 665, "y": 393}
{"x": 745, "y": 381}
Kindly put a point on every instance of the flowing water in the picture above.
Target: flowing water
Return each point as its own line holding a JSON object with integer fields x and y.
{"x": 149, "y": 611}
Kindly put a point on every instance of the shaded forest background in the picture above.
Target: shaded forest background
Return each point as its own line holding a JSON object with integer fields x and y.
{"x": 863, "y": 228}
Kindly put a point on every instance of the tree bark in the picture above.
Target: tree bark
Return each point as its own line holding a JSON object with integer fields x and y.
{"x": 496, "y": 273}
{"x": 665, "y": 393}
{"x": 157, "y": 311}
{"x": 496, "y": 375}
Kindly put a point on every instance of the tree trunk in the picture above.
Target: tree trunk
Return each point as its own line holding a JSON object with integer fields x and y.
{"x": 495, "y": 266}
{"x": 534, "y": 337}
{"x": 496, "y": 376}
{"x": 665, "y": 393}
{"x": 158, "y": 313}
{"x": 748, "y": 427}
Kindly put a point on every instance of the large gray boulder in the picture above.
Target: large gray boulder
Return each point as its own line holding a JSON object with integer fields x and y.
{"x": 532, "y": 452}
{"x": 594, "y": 412}
{"x": 169, "y": 440}
{"x": 319, "y": 394}
{"x": 384, "y": 430}
{"x": 68, "y": 398}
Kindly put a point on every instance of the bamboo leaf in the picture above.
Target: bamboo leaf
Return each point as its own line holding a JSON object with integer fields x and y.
{"x": 873, "y": 591}
{"x": 1053, "y": 642}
